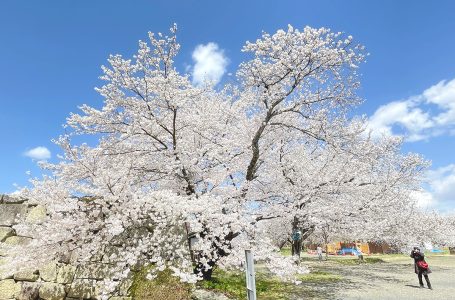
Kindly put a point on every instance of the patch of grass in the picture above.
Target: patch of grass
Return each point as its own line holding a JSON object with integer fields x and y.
{"x": 163, "y": 287}
{"x": 286, "y": 251}
{"x": 355, "y": 261}
{"x": 390, "y": 255}
{"x": 347, "y": 261}
{"x": 233, "y": 285}
{"x": 373, "y": 260}
{"x": 319, "y": 277}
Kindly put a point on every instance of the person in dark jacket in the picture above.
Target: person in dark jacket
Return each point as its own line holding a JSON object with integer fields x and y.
{"x": 419, "y": 256}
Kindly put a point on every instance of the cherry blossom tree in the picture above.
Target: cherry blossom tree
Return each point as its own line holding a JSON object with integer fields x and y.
{"x": 175, "y": 160}
{"x": 355, "y": 190}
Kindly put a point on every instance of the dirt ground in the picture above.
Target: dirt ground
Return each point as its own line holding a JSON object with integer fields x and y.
{"x": 393, "y": 279}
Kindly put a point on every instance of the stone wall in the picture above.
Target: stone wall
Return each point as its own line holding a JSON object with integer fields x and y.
{"x": 58, "y": 280}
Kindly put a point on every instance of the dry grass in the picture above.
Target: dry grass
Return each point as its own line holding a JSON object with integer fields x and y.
{"x": 163, "y": 287}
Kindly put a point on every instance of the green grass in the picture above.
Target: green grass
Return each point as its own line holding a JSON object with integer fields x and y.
{"x": 268, "y": 287}
{"x": 373, "y": 260}
{"x": 355, "y": 261}
{"x": 320, "y": 277}
{"x": 286, "y": 251}
{"x": 233, "y": 285}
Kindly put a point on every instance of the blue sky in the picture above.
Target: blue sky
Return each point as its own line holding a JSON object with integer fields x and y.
{"x": 51, "y": 53}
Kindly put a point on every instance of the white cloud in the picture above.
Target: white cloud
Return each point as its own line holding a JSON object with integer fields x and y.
{"x": 38, "y": 153}
{"x": 404, "y": 113}
{"x": 419, "y": 117}
{"x": 439, "y": 192}
{"x": 442, "y": 183}
{"x": 210, "y": 64}
{"x": 443, "y": 95}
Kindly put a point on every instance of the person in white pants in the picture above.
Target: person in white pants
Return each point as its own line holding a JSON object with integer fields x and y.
{"x": 319, "y": 251}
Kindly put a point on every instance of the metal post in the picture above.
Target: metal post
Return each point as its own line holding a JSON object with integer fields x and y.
{"x": 250, "y": 280}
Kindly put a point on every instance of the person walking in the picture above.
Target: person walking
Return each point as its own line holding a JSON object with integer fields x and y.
{"x": 421, "y": 267}
{"x": 319, "y": 251}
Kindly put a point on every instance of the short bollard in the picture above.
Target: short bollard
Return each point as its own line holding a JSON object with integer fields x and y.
{"x": 250, "y": 280}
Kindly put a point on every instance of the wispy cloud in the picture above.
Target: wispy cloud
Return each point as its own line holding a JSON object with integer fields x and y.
{"x": 209, "y": 64}
{"x": 38, "y": 153}
{"x": 419, "y": 117}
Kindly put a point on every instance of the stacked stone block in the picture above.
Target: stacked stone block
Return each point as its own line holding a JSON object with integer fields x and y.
{"x": 58, "y": 280}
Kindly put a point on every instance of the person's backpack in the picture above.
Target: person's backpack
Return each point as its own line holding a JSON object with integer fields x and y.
{"x": 422, "y": 264}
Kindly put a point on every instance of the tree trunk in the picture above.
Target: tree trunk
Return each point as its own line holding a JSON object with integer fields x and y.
{"x": 326, "y": 251}
{"x": 206, "y": 272}
{"x": 325, "y": 236}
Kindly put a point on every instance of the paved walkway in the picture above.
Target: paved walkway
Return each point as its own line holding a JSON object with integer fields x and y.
{"x": 395, "y": 279}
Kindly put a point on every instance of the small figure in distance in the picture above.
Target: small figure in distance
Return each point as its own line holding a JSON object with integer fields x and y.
{"x": 421, "y": 267}
{"x": 359, "y": 255}
{"x": 319, "y": 252}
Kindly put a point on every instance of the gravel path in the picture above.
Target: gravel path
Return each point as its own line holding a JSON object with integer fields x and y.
{"x": 394, "y": 279}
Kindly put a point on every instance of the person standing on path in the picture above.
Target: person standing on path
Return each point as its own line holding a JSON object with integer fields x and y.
{"x": 319, "y": 251}
{"x": 421, "y": 267}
